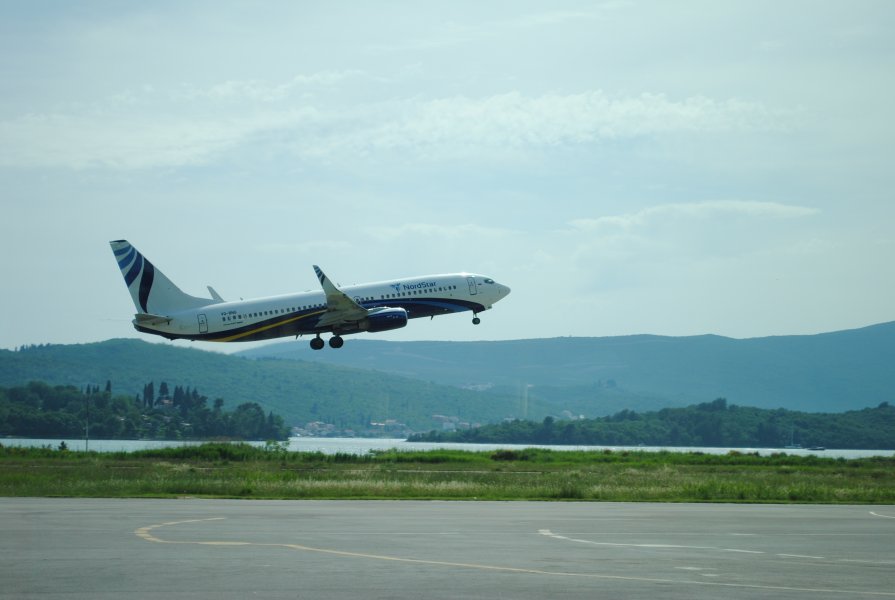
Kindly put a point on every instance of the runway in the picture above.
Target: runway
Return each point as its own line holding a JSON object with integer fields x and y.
{"x": 192, "y": 548}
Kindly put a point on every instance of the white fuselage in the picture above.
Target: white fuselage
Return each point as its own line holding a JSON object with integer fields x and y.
{"x": 297, "y": 314}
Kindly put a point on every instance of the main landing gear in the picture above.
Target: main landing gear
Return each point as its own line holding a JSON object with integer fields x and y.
{"x": 335, "y": 341}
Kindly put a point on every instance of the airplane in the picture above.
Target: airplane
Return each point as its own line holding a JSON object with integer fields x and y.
{"x": 163, "y": 309}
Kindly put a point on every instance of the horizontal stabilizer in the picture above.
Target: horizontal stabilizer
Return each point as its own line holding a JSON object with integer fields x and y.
{"x": 215, "y": 295}
{"x": 148, "y": 319}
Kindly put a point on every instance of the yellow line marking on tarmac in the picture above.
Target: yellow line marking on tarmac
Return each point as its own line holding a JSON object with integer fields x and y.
{"x": 144, "y": 533}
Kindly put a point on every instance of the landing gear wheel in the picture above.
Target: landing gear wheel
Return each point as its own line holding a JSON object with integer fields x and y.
{"x": 317, "y": 343}
{"x": 476, "y": 320}
{"x": 336, "y": 341}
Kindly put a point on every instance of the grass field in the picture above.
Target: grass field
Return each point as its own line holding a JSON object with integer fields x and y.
{"x": 243, "y": 471}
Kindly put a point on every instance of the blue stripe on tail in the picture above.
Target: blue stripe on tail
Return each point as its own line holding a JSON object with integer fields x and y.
{"x": 124, "y": 262}
{"x": 135, "y": 270}
{"x": 146, "y": 283}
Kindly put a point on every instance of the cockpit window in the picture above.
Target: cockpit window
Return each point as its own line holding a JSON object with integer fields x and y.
{"x": 489, "y": 281}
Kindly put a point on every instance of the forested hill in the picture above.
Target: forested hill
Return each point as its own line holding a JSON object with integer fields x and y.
{"x": 709, "y": 424}
{"x": 299, "y": 391}
{"x": 830, "y": 372}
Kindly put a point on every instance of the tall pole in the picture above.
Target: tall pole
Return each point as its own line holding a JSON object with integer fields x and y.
{"x": 525, "y": 401}
{"x": 87, "y": 425}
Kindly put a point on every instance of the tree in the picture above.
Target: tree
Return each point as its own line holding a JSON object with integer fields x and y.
{"x": 149, "y": 395}
{"x": 248, "y": 421}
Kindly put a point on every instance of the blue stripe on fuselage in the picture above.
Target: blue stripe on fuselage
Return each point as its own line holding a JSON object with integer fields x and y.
{"x": 303, "y": 322}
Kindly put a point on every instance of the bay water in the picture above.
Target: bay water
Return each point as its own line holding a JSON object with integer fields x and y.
{"x": 362, "y": 446}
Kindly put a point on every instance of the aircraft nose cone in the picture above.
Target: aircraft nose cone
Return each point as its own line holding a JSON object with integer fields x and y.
{"x": 504, "y": 290}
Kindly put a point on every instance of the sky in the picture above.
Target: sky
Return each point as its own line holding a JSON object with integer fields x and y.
{"x": 625, "y": 167}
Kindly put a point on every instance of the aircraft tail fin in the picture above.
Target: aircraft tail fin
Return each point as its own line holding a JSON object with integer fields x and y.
{"x": 151, "y": 291}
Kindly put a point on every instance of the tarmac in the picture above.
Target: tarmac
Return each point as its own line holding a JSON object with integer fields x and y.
{"x": 196, "y": 548}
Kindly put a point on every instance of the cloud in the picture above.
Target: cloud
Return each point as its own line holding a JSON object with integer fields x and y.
{"x": 149, "y": 128}
{"x": 470, "y": 31}
{"x": 309, "y": 248}
{"x": 660, "y": 244}
{"x": 442, "y": 231}
{"x": 131, "y": 141}
{"x": 694, "y": 211}
{"x": 252, "y": 90}
{"x": 553, "y": 119}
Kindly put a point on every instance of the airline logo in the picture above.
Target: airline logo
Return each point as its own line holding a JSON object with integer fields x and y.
{"x": 409, "y": 287}
{"x": 128, "y": 255}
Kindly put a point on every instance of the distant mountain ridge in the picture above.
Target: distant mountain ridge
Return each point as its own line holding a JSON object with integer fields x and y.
{"x": 370, "y": 380}
{"x": 828, "y": 372}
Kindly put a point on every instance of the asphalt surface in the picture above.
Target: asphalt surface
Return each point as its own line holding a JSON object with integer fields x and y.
{"x": 222, "y": 549}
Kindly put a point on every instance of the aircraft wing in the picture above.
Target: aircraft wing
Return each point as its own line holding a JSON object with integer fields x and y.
{"x": 340, "y": 308}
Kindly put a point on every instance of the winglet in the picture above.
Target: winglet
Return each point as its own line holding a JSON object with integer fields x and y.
{"x": 324, "y": 280}
{"x": 339, "y": 306}
{"x": 215, "y": 295}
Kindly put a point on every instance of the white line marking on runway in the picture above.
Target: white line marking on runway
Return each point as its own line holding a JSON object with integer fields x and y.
{"x": 549, "y": 533}
{"x": 883, "y": 516}
{"x": 801, "y": 556}
{"x": 143, "y": 532}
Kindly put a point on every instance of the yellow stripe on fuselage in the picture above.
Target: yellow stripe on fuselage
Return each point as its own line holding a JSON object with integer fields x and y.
{"x": 266, "y": 327}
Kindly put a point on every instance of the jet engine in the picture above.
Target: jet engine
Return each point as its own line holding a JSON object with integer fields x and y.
{"x": 383, "y": 320}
